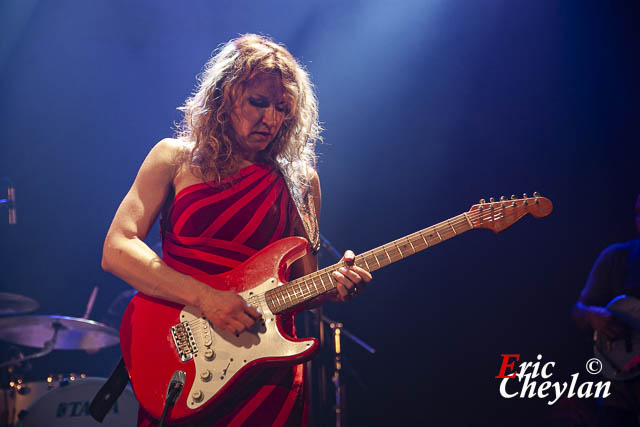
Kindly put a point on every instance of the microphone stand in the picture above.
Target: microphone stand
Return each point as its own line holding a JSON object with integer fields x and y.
{"x": 10, "y": 201}
{"x": 338, "y": 331}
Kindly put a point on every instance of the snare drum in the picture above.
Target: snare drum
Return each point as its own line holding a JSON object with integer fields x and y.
{"x": 68, "y": 405}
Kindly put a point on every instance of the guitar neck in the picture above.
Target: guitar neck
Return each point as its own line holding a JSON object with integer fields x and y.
{"x": 299, "y": 291}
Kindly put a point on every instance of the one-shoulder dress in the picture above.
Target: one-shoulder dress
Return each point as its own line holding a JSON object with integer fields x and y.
{"x": 210, "y": 229}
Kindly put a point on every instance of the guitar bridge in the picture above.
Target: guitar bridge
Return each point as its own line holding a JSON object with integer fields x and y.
{"x": 185, "y": 343}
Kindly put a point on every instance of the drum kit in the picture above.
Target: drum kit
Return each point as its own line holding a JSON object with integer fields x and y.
{"x": 57, "y": 400}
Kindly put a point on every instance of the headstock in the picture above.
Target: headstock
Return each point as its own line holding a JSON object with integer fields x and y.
{"x": 498, "y": 215}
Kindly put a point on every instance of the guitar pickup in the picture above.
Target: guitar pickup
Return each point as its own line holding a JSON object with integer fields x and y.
{"x": 185, "y": 343}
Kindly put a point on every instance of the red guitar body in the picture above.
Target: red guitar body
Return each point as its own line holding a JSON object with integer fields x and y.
{"x": 159, "y": 338}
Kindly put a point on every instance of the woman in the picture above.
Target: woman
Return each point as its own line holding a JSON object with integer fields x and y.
{"x": 248, "y": 131}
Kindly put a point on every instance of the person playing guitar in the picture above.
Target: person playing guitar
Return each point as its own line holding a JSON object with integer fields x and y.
{"x": 616, "y": 272}
{"x": 239, "y": 175}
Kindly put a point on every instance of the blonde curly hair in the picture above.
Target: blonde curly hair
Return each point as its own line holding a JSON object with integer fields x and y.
{"x": 207, "y": 112}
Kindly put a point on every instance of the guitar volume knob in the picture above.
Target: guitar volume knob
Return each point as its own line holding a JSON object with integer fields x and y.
{"x": 205, "y": 375}
{"x": 209, "y": 354}
{"x": 197, "y": 395}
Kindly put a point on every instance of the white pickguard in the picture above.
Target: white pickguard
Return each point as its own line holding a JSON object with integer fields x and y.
{"x": 233, "y": 352}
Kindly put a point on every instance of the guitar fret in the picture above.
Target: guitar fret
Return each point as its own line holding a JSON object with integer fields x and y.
{"x": 366, "y": 263}
{"x": 321, "y": 282}
{"x": 468, "y": 220}
{"x": 387, "y": 253}
{"x": 315, "y": 284}
{"x": 423, "y": 238}
{"x": 331, "y": 279}
{"x": 283, "y": 296}
{"x": 439, "y": 236}
{"x": 304, "y": 293}
{"x": 399, "y": 250}
{"x": 377, "y": 260}
{"x": 412, "y": 247}
{"x": 454, "y": 230}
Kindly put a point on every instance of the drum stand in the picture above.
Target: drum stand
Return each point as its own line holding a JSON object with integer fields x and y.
{"x": 47, "y": 348}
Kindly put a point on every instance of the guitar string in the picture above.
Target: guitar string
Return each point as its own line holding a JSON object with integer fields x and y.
{"x": 389, "y": 247}
{"x": 284, "y": 293}
{"x": 488, "y": 213}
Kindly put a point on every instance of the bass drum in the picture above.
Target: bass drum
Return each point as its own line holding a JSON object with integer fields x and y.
{"x": 68, "y": 406}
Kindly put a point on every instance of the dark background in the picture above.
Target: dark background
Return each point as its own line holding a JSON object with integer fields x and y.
{"x": 428, "y": 107}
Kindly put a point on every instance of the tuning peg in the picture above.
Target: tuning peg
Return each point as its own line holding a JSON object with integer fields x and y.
{"x": 502, "y": 198}
{"x": 491, "y": 199}
{"x": 513, "y": 197}
{"x": 524, "y": 195}
{"x": 536, "y": 194}
{"x": 482, "y": 201}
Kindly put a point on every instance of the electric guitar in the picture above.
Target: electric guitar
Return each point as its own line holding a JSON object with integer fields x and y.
{"x": 621, "y": 358}
{"x": 159, "y": 338}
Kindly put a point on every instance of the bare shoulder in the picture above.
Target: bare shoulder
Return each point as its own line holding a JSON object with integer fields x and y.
{"x": 168, "y": 151}
{"x": 165, "y": 158}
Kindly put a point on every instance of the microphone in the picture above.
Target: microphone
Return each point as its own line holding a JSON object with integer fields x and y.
{"x": 11, "y": 200}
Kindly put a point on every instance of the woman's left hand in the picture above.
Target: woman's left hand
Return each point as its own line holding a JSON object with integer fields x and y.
{"x": 351, "y": 278}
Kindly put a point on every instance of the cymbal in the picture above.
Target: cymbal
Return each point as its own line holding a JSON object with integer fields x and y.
{"x": 73, "y": 333}
{"x": 16, "y": 304}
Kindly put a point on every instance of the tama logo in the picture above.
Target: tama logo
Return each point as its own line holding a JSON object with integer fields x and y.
{"x": 77, "y": 409}
{"x": 531, "y": 380}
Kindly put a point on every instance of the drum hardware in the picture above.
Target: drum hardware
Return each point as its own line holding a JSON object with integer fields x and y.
{"x": 16, "y": 304}
{"x": 92, "y": 300}
{"x": 47, "y": 348}
{"x": 50, "y": 332}
{"x": 55, "y": 333}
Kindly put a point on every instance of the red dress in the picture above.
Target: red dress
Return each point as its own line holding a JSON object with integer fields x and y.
{"x": 211, "y": 229}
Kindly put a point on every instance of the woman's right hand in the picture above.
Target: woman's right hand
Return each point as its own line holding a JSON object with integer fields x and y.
{"x": 228, "y": 310}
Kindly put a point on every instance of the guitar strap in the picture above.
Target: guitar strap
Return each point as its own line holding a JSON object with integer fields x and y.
{"x": 106, "y": 397}
{"x": 303, "y": 199}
